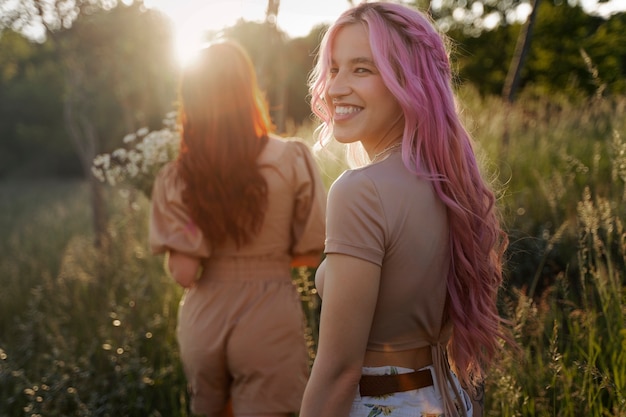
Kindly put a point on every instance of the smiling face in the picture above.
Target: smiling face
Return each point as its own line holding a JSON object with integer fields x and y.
{"x": 362, "y": 107}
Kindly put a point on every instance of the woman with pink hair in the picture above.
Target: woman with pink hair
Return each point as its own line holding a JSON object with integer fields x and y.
{"x": 414, "y": 247}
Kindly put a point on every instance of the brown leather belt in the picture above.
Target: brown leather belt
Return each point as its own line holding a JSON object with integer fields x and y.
{"x": 377, "y": 385}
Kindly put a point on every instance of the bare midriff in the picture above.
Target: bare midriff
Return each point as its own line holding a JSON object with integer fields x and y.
{"x": 412, "y": 358}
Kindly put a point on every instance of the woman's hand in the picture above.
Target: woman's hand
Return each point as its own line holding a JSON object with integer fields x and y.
{"x": 183, "y": 268}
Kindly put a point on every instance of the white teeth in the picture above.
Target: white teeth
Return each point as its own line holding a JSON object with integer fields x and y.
{"x": 346, "y": 109}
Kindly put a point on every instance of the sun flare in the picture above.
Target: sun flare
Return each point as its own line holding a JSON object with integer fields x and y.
{"x": 192, "y": 18}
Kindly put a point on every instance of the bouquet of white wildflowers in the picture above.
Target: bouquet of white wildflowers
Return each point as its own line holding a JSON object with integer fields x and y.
{"x": 138, "y": 161}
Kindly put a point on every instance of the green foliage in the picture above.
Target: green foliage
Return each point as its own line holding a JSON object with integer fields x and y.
{"x": 482, "y": 66}
{"x": 86, "y": 332}
{"x": 573, "y": 342}
{"x": 561, "y": 168}
{"x": 555, "y": 60}
{"x": 116, "y": 65}
{"x": 282, "y": 67}
{"x": 607, "y": 49}
{"x": 570, "y": 52}
{"x": 83, "y": 332}
{"x": 124, "y": 58}
{"x": 545, "y": 152}
{"x": 113, "y": 70}
{"x": 31, "y": 127}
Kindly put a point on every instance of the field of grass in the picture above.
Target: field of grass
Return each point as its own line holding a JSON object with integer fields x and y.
{"x": 86, "y": 332}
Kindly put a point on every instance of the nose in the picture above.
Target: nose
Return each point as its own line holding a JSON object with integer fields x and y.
{"x": 338, "y": 86}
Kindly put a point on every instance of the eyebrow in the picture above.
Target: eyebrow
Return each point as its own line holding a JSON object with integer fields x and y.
{"x": 359, "y": 60}
{"x": 362, "y": 60}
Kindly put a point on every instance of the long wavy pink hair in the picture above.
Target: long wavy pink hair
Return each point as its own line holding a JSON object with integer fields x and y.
{"x": 413, "y": 61}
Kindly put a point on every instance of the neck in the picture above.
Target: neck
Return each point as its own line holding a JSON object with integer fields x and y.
{"x": 385, "y": 151}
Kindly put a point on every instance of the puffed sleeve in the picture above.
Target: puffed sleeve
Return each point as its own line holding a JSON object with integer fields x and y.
{"x": 309, "y": 218}
{"x": 355, "y": 219}
{"x": 170, "y": 226}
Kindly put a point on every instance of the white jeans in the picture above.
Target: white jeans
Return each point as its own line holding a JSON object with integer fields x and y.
{"x": 423, "y": 402}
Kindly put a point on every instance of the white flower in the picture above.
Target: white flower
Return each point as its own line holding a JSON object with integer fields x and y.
{"x": 170, "y": 120}
{"x": 97, "y": 173}
{"x": 105, "y": 161}
{"x": 119, "y": 154}
{"x": 149, "y": 152}
{"x": 129, "y": 138}
{"x": 163, "y": 156}
{"x": 134, "y": 156}
{"x": 132, "y": 170}
{"x": 145, "y": 153}
{"x": 98, "y": 160}
{"x": 111, "y": 177}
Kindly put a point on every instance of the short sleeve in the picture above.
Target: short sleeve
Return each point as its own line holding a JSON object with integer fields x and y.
{"x": 171, "y": 227}
{"x": 309, "y": 215}
{"x": 355, "y": 218}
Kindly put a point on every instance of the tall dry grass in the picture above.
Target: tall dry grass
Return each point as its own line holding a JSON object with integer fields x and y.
{"x": 86, "y": 332}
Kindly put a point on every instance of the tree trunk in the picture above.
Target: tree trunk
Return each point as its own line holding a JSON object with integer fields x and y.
{"x": 84, "y": 135}
{"x": 81, "y": 130}
{"x": 281, "y": 94}
{"x": 275, "y": 50}
{"x": 511, "y": 82}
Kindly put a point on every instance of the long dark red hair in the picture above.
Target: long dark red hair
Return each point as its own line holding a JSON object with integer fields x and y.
{"x": 225, "y": 124}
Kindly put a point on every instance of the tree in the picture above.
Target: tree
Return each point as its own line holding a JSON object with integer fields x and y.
{"x": 511, "y": 82}
{"x": 474, "y": 17}
{"x": 562, "y": 36}
{"x": 606, "y": 48}
{"x": 117, "y": 70}
{"x": 32, "y": 137}
{"x": 118, "y": 57}
{"x": 555, "y": 62}
{"x": 301, "y": 56}
{"x": 483, "y": 60}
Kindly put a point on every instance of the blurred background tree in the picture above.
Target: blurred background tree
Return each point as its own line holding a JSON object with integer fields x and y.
{"x": 97, "y": 73}
{"x": 111, "y": 66}
{"x": 100, "y": 69}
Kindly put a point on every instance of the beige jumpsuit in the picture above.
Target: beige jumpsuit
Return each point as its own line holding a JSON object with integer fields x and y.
{"x": 240, "y": 329}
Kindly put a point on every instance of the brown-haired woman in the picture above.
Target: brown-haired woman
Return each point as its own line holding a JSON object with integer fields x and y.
{"x": 233, "y": 213}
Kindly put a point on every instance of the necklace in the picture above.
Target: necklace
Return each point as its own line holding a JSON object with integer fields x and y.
{"x": 387, "y": 149}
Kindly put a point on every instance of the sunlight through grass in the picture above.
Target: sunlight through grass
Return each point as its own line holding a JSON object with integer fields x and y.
{"x": 86, "y": 332}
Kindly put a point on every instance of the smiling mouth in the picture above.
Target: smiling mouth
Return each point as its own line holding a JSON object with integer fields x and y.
{"x": 345, "y": 110}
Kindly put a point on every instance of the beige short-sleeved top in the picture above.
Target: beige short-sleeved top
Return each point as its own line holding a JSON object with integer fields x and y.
{"x": 384, "y": 214}
{"x": 293, "y": 223}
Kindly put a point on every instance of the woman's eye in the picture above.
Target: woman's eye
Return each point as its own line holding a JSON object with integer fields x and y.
{"x": 362, "y": 70}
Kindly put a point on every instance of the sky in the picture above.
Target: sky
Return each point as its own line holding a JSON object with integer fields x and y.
{"x": 604, "y": 9}
{"x": 192, "y": 17}
{"x": 295, "y": 17}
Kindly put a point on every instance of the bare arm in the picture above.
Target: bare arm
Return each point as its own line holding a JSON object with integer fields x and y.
{"x": 349, "y": 299}
{"x": 183, "y": 268}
